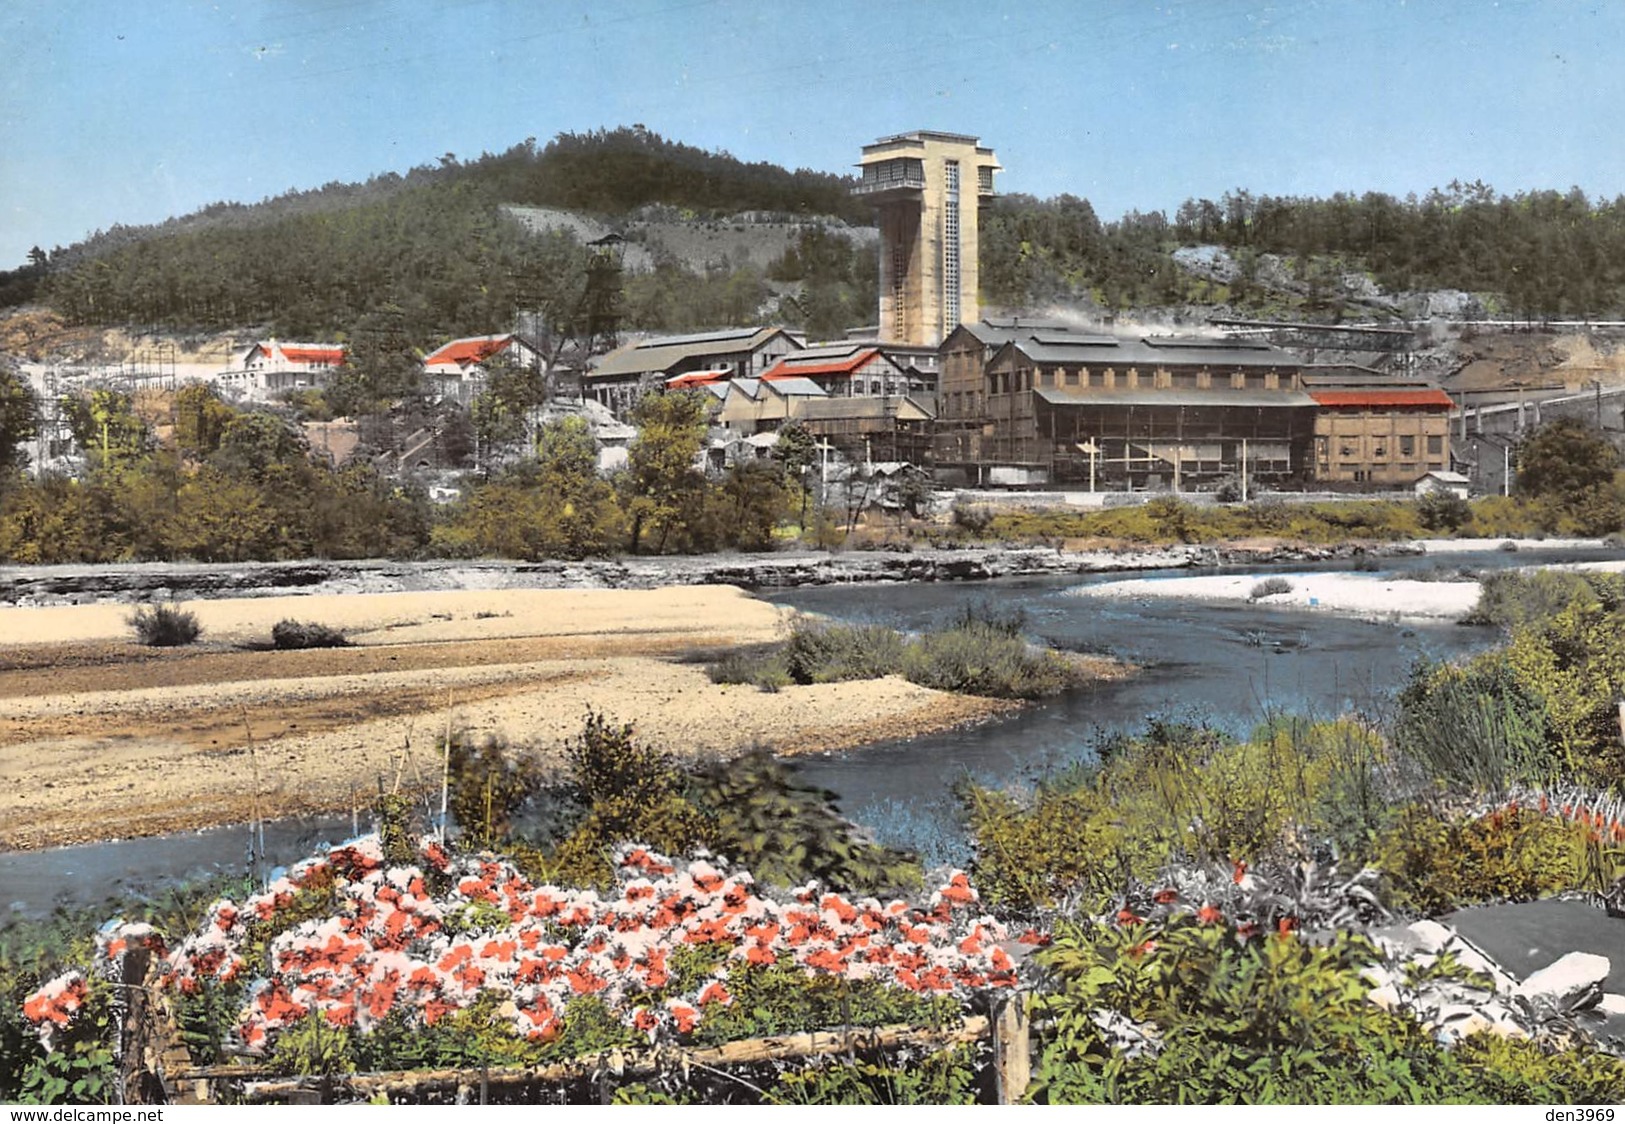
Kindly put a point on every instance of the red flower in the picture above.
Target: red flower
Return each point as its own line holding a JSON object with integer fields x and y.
{"x": 1127, "y": 916}
{"x": 1166, "y": 897}
{"x": 1239, "y": 873}
{"x": 1209, "y": 914}
{"x": 1285, "y": 926}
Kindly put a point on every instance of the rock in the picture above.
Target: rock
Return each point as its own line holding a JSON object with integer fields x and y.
{"x": 1568, "y": 981}
{"x": 1611, "y": 1004}
{"x": 1430, "y": 935}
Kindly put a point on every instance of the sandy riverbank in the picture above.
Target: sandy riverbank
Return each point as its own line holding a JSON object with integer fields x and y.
{"x": 104, "y": 739}
{"x": 1365, "y": 595}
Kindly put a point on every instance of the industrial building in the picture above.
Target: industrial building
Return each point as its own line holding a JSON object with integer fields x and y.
{"x": 1372, "y": 429}
{"x": 927, "y": 188}
{"x": 1028, "y": 403}
{"x": 625, "y": 375}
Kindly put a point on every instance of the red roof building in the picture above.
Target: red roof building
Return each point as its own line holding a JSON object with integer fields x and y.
{"x": 1378, "y": 433}
{"x": 456, "y": 370}
{"x": 844, "y": 371}
{"x": 266, "y": 368}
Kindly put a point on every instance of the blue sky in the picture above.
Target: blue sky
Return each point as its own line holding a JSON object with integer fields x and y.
{"x": 121, "y": 111}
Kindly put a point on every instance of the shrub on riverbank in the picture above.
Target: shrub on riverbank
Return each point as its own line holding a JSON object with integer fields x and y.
{"x": 1566, "y": 651}
{"x": 977, "y": 654}
{"x": 291, "y": 634}
{"x": 1179, "y": 792}
{"x": 165, "y": 626}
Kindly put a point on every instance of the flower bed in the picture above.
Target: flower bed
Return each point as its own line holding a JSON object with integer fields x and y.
{"x": 354, "y": 941}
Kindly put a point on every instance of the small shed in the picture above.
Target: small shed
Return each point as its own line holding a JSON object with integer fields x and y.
{"x": 1439, "y": 481}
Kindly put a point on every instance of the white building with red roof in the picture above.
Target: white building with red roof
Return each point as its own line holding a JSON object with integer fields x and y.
{"x": 268, "y": 367}
{"x": 456, "y": 371}
{"x": 847, "y": 371}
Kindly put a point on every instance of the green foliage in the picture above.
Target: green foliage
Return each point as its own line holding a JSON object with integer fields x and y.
{"x": 830, "y": 653}
{"x": 104, "y": 424}
{"x": 488, "y": 786}
{"x": 977, "y": 657}
{"x": 1177, "y": 792}
{"x": 1443, "y": 511}
{"x": 286, "y": 634}
{"x": 773, "y": 999}
{"x": 785, "y": 832}
{"x": 1477, "y": 729}
{"x": 661, "y": 489}
{"x": 631, "y": 792}
{"x": 19, "y": 417}
{"x": 314, "y": 1046}
{"x": 1434, "y": 863}
{"x": 200, "y": 419}
{"x": 1567, "y": 651}
{"x": 165, "y": 626}
{"x": 944, "y": 1078}
{"x": 977, "y": 654}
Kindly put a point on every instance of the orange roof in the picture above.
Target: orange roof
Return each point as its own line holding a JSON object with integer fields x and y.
{"x": 319, "y": 354}
{"x": 1388, "y": 397}
{"x": 787, "y": 368}
{"x": 476, "y": 349}
{"x": 330, "y": 353}
{"x": 695, "y": 378}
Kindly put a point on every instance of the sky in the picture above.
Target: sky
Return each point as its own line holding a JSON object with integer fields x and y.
{"x": 113, "y": 111}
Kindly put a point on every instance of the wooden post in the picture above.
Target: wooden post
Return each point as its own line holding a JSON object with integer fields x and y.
{"x": 1012, "y": 1061}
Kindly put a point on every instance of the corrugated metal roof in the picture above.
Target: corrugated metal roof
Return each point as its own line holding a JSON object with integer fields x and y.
{"x": 846, "y": 409}
{"x": 794, "y": 388}
{"x": 661, "y": 355}
{"x": 1165, "y": 353}
{"x": 1386, "y": 398}
{"x": 1222, "y": 396}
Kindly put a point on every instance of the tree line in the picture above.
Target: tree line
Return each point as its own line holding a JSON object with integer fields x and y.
{"x": 1535, "y": 255}
{"x": 199, "y": 479}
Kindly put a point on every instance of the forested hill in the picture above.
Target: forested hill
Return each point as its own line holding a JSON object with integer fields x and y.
{"x": 432, "y": 242}
{"x": 1533, "y": 255}
{"x": 436, "y": 248}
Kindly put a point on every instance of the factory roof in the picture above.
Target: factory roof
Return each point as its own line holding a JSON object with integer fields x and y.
{"x": 1221, "y": 397}
{"x": 1150, "y": 351}
{"x": 828, "y": 361}
{"x": 664, "y": 352}
{"x": 1385, "y": 398}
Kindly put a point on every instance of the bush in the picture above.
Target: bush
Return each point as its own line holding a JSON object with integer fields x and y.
{"x": 165, "y": 626}
{"x": 984, "y": 659}
{"x": 1511, "y": 854}
{"x": 829, "y": 653}
{"x": 1269, "y": 587}
{"x": 1478, "y": 730}
{"x": 291, "y": 634}
{"x": 1443, "y": 510}
{"x": 764, "y": 669}
{"x": 973, "y": 517}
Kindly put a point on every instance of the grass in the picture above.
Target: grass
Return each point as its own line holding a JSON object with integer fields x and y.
{"x": 978, "y": 653}
{"x": 1270, "y": 587}
{"x": 165, "y": 626}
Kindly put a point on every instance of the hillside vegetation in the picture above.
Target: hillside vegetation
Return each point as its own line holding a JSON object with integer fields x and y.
{"x": 438, "y": 244}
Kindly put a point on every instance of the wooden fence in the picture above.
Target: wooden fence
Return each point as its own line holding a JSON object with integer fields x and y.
{"x": 1008, "y": 1030}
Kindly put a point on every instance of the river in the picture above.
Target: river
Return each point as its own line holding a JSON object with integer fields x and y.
{"x": 1228, "y": 665}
